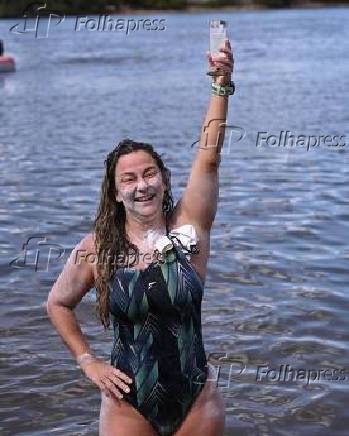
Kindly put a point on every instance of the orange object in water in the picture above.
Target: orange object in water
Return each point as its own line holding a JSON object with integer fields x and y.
{"x": 7, "y": 64}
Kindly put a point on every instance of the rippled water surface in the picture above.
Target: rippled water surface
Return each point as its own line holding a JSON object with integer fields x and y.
{"x": 277, "y": 285}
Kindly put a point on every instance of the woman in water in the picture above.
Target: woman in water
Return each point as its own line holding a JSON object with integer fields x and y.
{"x": 158, "y": 381}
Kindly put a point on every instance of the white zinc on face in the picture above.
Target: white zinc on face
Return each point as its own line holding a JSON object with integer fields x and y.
{"x": 139, "y": 184}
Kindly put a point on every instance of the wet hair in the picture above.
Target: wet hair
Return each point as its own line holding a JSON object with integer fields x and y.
{"x": 112, "y": 246}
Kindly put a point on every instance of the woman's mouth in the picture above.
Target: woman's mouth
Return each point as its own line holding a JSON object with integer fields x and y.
{"x": 145, "y": 198}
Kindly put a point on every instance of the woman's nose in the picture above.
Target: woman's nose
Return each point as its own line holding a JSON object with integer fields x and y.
{"x": 142, "y": 184}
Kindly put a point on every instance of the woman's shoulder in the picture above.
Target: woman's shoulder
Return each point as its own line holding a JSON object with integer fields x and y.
{"x": 85, "y": 251}
{"x": 88, "y": 241}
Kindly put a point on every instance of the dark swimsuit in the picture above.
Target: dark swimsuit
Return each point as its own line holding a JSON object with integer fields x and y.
{"x": 157, "y": 337}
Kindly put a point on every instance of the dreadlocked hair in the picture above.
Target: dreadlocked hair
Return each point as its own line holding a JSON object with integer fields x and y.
{"x": 111, "y": 244}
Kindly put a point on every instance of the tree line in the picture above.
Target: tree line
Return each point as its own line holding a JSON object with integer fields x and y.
{"x": 10, "y": 8}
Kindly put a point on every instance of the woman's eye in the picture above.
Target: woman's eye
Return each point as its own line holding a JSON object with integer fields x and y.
{"x": 152, "y": 174}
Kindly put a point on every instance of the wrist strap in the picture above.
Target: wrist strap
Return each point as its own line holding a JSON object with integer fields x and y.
{"x": 223, "y": 90}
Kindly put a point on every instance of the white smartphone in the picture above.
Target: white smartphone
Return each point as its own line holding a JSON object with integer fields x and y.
{"x": 218, "y": 33}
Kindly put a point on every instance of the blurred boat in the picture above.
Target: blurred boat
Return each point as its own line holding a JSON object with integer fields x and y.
{"x": 7, "y": 64}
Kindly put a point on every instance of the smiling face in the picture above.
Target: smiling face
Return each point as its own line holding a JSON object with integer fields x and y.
{"x": 139, "y": 184}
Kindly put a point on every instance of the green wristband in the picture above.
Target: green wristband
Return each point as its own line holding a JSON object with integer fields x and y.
{"x": 223, "y": 90}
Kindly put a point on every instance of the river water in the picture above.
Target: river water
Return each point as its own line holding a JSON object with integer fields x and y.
{"x": 277, "y": 285}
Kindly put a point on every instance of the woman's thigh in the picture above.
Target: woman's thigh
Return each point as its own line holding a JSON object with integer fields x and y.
{"x": 119, "y": 418}
{"x": 207, "y": 416}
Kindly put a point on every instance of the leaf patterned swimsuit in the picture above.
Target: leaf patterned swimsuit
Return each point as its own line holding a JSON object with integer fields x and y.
{"x": 157, "y": 336}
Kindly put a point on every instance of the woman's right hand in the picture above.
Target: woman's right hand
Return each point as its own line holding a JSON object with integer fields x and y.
{"x": 223, "y": 64}
{"x": 109, "y": 379}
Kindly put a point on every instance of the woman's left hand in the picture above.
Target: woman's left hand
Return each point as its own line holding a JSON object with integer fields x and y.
{"x": 223, "y": 64}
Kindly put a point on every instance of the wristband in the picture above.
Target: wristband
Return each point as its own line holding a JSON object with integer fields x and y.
{"x": 84, "y": 357}
{"x": 223, "y": 90}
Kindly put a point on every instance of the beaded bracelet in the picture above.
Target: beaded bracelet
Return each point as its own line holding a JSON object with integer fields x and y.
{"x": 223, "y": 90}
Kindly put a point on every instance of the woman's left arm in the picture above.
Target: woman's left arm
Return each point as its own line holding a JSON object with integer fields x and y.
{"x": 199, "y": 202}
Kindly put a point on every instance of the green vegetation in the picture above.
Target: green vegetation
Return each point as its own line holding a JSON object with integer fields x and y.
{"x": 10, "y": 8}
{"x": 244, "y": 3}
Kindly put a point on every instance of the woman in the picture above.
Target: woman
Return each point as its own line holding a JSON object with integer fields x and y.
{"x": 158, "y": 380}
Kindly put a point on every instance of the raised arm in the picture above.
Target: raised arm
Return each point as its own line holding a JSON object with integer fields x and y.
{"x": 200, "y": 198}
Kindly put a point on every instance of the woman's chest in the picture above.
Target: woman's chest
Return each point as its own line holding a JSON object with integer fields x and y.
{"x": 168, "y": 289}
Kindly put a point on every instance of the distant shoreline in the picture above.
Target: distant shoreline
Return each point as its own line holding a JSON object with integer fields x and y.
{"x": 195, "y": 9}
{"x": 251, "y": 7}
